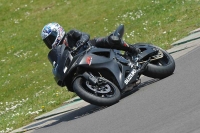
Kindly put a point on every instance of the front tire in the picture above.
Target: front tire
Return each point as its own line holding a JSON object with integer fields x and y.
{"x": 87, "y": 92}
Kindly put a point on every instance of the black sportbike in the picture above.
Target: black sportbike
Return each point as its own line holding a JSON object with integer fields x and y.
{"x": 100, "y": 75}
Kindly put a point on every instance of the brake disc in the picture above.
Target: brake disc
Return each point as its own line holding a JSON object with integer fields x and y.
{"x": 103, "y": 89}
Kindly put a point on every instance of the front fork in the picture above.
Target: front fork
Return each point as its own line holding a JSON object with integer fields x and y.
{"x": 92, "y": 79}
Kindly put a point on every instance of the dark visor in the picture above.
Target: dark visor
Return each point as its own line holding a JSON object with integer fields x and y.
{"x": 50, "y": 39}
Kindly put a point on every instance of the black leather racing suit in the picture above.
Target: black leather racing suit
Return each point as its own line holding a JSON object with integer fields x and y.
{"x": 75, "y": 37}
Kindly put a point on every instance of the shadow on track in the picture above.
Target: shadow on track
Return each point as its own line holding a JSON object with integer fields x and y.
{"x": 143, "y": 84}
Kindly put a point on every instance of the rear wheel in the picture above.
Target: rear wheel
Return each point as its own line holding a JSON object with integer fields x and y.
{"x": 161, "y": 65}
{"x": 103, "y": 94}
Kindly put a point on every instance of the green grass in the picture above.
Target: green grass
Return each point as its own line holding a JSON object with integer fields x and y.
{"x": 27, "y": 88}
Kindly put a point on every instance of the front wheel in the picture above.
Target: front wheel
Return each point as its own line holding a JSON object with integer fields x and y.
{"x": 104, "y": 94}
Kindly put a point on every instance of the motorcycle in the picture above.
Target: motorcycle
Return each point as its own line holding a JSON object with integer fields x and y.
{"x": 101, "y": 75}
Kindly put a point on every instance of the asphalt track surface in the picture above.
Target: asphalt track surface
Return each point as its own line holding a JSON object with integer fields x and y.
{"x": 170, "y": 105}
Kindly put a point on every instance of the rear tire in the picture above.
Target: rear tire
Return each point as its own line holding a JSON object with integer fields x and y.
{"x": 105, "y": 99}
{"x": 162, "y": 67}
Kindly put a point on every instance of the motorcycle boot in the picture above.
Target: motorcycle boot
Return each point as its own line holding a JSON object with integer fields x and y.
{"x": 133, "y": 50}
{"x": 114, "y": 40}
{"x": 118, "y": 43}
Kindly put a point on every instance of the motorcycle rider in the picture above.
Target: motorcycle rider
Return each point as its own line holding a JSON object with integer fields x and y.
{"x": 53, "y": 35}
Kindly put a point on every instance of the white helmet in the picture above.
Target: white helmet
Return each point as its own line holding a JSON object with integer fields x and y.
{"x": 52, "y": 34}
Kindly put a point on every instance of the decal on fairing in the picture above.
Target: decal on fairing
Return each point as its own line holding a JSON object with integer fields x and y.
{"x": 130, "y": 76}
{"x": 89, "y": 60}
